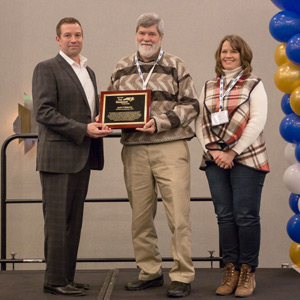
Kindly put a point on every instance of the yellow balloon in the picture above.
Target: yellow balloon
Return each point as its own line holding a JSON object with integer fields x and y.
{"x": 295, "y": 253}
{"x": 295, "y": 100}
{"x": 287, "y": 77}
{"x": 280, "y": 55}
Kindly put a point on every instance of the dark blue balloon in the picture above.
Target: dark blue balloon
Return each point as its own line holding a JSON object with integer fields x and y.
{"x": 291, "y": 5}
{"x": 284, "y": 25}
{"x": 294, "y": 203}
{"x": 293, "y": 228}
{"x": 297, "y": 152}
{"x": 290, "y": 128}
{"x": 292, "y": 49}
{"x": 278, "y": 3}
{"x": 285, "y": 104}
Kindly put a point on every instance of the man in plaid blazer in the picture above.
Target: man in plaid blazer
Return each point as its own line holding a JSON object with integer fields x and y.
{"x": 70, "y": 145}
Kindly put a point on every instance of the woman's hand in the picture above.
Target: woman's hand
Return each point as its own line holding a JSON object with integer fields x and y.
{"x": 224, "y": 159}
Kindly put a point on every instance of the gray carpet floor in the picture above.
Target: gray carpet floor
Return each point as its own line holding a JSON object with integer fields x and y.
{"x": 275, "y": 284}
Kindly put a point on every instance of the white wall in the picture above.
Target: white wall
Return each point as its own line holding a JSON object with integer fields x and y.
{"x": 193, "y": 30}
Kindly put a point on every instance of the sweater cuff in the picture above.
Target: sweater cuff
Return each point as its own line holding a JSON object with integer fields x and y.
{"x": 162, "y": 123}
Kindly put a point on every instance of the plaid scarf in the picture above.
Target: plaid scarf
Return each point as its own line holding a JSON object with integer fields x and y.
{"x": 225, "y": 136}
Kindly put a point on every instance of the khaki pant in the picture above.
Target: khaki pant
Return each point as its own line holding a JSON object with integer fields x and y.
{"x": 166, "y": 165}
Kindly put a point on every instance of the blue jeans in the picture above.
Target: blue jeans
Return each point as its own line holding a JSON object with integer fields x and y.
{"x": 236, "y": 194}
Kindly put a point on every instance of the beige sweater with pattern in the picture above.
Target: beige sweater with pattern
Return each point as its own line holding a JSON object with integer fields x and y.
{"x": 174, "y": 103}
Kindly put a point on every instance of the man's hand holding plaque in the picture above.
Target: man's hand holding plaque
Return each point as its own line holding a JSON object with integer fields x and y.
{"x": 149, "y": 127}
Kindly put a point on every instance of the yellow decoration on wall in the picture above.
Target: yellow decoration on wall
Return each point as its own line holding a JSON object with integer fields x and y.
{"x": 25, "y": 122}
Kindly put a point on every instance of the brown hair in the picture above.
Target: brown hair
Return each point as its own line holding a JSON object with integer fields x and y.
{"x": 68, "y": 20}
{"x": 242, "y": 47}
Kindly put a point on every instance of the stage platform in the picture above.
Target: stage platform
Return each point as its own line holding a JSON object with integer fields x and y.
{"x": 272, "y": 284}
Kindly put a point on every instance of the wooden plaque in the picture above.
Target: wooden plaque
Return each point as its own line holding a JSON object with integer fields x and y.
{"x": 125, "y": 109}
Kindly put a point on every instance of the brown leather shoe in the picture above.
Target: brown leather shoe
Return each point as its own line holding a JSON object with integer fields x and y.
{"x": 230, "y": 280}
{"x": 67, "y": 290}
{"x": 246, "y": 283}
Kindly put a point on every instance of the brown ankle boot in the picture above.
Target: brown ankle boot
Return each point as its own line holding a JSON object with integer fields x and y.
{"x": 230, "y": 280}
{"x": 246, "y": 283}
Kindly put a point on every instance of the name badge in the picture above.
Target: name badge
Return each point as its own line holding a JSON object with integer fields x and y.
{"x": 220, "y": 117}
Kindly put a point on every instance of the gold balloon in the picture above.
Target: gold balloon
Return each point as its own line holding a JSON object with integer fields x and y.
{"x": 287, "y": 77}
{"x": 280, "y": 55}
{"x": 295, "y": 253}
{"x": 295, "y": 100}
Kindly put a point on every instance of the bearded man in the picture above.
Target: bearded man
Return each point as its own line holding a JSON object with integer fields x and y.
{"x": 157, "y": 155}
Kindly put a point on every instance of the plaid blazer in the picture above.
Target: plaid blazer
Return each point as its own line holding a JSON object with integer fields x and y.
{"x": 62, "y": 111}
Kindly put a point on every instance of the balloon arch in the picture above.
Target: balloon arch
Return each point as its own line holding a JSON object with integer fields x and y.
{"x": 285, "y": 28}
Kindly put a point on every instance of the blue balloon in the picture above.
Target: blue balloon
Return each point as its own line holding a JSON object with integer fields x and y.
{"x": 293, "y": 201}
{"x": 292, "y": 5}
{"x": 297, "y": 152}
{"x": 293, "y": 228}
{"x": 284, "y": 25}
{"x": 285, "y": 104}
{"x": 278, "y": 3}
{"x": 290, "y": 128}
{"x": 292, "y": 49}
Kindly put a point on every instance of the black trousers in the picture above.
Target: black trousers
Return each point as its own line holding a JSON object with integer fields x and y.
{"x": 63, "y": 203}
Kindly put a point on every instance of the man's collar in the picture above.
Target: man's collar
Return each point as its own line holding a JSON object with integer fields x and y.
{"x": 83, "y": 60}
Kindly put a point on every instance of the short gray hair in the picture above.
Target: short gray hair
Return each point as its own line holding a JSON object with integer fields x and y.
{"x": 149, "y": 19}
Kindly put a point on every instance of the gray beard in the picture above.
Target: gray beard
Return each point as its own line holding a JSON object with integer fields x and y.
{"x": 148, "y": 52}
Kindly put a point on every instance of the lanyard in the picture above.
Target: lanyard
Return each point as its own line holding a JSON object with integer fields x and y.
{"x": 145, "y": 82}
{"x": 228, "y": 90}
